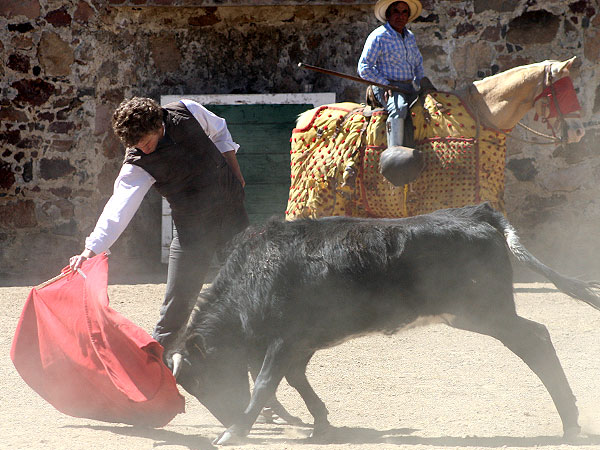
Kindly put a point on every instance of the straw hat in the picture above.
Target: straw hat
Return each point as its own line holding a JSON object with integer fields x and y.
{"x": 382, "y": 5}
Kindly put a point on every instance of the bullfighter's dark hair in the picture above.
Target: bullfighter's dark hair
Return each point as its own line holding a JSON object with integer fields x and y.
{"x": 135, "y": 118}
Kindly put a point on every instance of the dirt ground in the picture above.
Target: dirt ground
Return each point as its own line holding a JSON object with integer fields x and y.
{"x": 432, "y": 387}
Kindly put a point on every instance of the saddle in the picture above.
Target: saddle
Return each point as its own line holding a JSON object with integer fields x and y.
{"x": 426, "y": 88}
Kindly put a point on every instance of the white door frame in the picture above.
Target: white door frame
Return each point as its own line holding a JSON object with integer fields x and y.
{"x": 315, "y": 99}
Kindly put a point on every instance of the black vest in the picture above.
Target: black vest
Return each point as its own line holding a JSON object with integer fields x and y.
{"x": 192, "y": 175}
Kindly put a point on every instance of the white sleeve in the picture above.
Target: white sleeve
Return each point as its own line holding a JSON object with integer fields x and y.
{"x": 214, "y": 126}
{"x": 130, "y": 187}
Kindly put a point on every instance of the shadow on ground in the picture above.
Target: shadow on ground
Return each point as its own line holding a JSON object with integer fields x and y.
{"x": 161, "y": 437}
{"x": 345, "y": 435}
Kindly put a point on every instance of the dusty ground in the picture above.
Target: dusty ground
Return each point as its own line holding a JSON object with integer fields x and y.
{"x": 427, "y": 388}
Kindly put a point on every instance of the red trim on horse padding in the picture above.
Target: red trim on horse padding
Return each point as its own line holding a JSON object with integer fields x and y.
{"x": 312, "y": 121}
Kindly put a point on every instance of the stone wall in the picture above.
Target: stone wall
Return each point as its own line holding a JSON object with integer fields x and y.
{"x": 67, "y": 64}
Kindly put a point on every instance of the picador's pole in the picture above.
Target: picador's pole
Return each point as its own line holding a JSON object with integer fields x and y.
{"x": 350, "y": 77}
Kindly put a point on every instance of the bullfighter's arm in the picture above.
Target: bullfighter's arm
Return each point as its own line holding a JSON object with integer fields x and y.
{"x": 214, "y": 126}
{"x": 130, "y": 187}
{"x": 234, "y": 165}
{"x": 216, "y": 129}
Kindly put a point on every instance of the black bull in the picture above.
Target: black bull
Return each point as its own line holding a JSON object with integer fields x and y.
{"x": 291, "y": 288}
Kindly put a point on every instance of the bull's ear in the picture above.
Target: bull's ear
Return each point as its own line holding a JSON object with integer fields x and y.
{"x": 195, "y": 346}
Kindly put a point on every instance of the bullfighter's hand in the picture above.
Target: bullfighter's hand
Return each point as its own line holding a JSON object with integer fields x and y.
{"x": 76, "y": 261}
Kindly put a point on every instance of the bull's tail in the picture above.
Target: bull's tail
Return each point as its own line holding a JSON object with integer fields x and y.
{"x": 587, "y": 291}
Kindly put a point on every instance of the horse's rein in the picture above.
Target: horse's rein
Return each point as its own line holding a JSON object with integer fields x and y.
{"x": 559, "y": 113}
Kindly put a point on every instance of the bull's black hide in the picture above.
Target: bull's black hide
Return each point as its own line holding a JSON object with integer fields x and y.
{"x": 289, "y": 289}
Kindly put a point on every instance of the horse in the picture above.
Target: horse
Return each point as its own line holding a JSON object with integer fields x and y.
{"x": 460, "y": 136}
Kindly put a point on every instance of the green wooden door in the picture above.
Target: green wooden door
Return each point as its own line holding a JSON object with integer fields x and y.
{"x": 263, "y": 132}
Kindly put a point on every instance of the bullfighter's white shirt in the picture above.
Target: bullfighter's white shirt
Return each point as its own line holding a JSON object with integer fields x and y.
{"x": 133, "y": 183}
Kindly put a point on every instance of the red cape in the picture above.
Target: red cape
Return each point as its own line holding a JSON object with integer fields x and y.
{"x": 87, "y": 360}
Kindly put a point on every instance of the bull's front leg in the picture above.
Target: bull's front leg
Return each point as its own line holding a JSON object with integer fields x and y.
{"x": 274, "y": 411}
{"x": 276, "y": 363}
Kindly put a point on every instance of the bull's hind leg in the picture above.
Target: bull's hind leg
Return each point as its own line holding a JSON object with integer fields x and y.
{"x": 296, "y": 377}
{"x": 531, "y": 342}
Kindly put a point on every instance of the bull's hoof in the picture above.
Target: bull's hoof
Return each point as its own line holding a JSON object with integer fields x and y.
{"x": 229, "y": 437}
{"x": 573, "y": 434}
{"x": 272, "y": 419}
{"x": 278, "y": 415}
{"x": 323, "y": 433}
{"x": 267, "y": 415}
{"x": 279, "y": 421}
{"x": 290, "y": 420}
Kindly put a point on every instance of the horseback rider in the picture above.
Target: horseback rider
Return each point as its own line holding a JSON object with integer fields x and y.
{"x": 391, "y": 56}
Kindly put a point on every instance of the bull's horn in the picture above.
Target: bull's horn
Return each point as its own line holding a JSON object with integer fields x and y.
{"x": 177, "y": 358}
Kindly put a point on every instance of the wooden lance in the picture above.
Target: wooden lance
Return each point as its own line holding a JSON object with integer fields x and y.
{"x": 350, "y": 77}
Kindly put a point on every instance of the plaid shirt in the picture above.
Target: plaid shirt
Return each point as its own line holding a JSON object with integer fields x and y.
{"x": 389, "y": 56}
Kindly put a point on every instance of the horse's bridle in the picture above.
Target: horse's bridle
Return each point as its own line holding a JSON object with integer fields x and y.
{"x": 548, "y": 82}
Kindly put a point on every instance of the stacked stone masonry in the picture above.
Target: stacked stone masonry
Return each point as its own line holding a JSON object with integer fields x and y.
{"x": 67, "y": 64}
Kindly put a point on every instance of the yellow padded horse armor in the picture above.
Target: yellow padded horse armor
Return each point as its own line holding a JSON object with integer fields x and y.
{"x": 335, "y": 162}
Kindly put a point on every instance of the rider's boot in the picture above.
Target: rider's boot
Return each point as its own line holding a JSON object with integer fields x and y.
{"x": 395, "y": 131}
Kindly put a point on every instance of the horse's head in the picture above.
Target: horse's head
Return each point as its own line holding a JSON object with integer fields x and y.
{"x": 557, "y": 105}
{"x": 503, "y": 99}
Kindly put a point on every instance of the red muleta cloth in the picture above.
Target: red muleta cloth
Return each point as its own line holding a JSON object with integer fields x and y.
{"x": 89, "y": 361}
